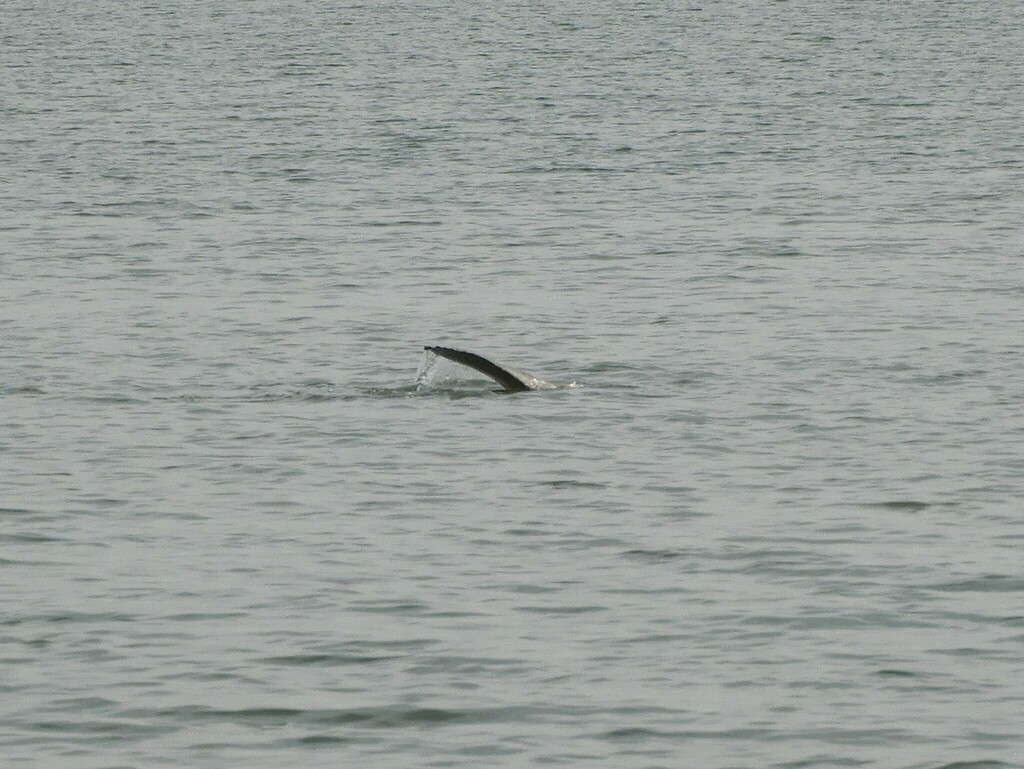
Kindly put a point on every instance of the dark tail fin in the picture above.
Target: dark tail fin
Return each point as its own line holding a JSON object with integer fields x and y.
{"x": 502, "y": 376}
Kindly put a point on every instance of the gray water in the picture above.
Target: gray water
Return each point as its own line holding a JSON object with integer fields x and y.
{"x": 777, "y": 248}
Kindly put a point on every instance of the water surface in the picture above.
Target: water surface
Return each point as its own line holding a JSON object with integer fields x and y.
{"x": 777, "y": 523}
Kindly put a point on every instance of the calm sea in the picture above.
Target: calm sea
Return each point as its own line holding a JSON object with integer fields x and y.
{"x": 779, "y": 520}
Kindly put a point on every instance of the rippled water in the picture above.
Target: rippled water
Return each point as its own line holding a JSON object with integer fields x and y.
{"x": 778, "y": 521}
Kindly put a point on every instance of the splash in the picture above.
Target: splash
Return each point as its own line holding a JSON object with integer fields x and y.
{"x": 435, "y": 371}
{"x": 427, "y": 371}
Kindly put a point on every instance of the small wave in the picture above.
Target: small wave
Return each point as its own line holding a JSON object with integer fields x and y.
{"x": 94, "y": 728}
{"x": 312, "y": 740}
{"x": 902, "y": 505}
{"x": 29, "y": 538}
{"x": 385, "y": 716}
{"x": 68, "y": 616}
{"x": 895, "y": 673}
{"x": 22, "y": 390}
{"x": 654, "y": 555}
{"x": 324, "y": 660}
{"x": 312, "y": 390}
{"x": 562, "y": 609}
{"x": 989, "y": 583}
{"x": 568, "y": 483}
